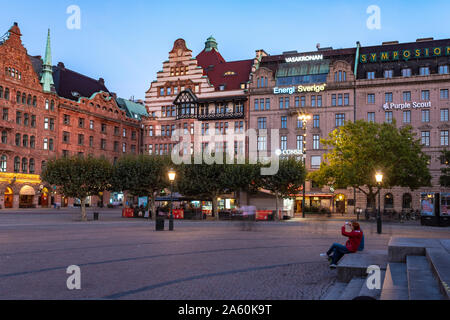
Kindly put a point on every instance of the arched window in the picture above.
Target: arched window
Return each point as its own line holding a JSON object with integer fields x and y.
{"x": 7, "y": 93}
{"x": 24, "y": 165}
{"x": 388, "y": 201}
{"x": 29, "y": 100}
{"x": 46, "y": 104}
{"x": 18, "y": 139}
{"x": 43, "y": 165}
{"x": 407, "y": 201}
{"x": 50, "y": 145}
{"x": 32, "y": 166}
{"x": 267, "y": 82}
{"x": 16, "y": 164}
{"x": 4, "y": 137}
{"x": 52, "y": 105}
{"x": 32, "y": 142}
{"x": 25, "y": 140}
{"x": 45, "y": 145}
{"x": 18, "y": 97}
{"x": 3, "y": 163}
{"x": 24, "y": 98}
{"x": 257, "y": 82}
{"x": 34, "y": 101}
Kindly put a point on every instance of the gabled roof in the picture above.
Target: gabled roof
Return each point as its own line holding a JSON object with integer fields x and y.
{"x": 215, "y": 67}
{"x": 133, "y": 110}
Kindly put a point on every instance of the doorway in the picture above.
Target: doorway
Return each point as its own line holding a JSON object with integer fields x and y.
{"x": 9, "y": 198}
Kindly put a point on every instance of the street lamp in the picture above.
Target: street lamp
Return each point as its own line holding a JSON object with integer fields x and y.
{"x": 304, "y": 119}
{"x": 172, "y": 174}
{"x": 379, "y": 179}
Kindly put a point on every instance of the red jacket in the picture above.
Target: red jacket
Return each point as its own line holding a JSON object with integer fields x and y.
{"x": 354, "y": 239}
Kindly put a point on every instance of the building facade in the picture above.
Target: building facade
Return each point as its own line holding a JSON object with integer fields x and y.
{"x": 51, "y": 111}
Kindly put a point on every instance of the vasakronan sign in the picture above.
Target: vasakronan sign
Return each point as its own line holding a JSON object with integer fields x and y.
{"x": 305, "y": 58}
{"x": 412, "y": 105}
{"x": 406, "y": 54}
{"x": 300, "y": 89}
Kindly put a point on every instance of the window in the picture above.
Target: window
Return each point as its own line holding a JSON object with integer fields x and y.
{"x": 103, "y": 144}
{"x": 262, "y": 143}
{"x": 239, "y": 127}
{"x": 261, "y": 104}
{"x": 407, "y": 96}
{"x": 443, "y": 69}
{"x": 256, "y": 104}
{"x": 316, "y": 121}
{"x": 65, "y": 153}
{"x": 371, "y": 75}
{"x": 316, "y": 142}
{"x": 3, "y": 163}
{"x": 32, "y": 142}
{"x": 424, "y": 71}
{"x": 46, "y": 123}
{"x": 52, "y": 105}
{"x": 346, "y": 99}
{"x": 33, "y": 121}
{"x": 444, "y": 114}
{"x": 407, "y": 116}
{"x": 333, "y": 100}
{"x": 315, "y": 161}
{"x": 91, "y": 141}
{"x": 103, "y": 128}
{"x": 50, "y": 145}
{"x": 4, "y": 137}
{"x": 32, "y": 166}
{"x": 425, "y": 115}
{"x": 283, "y": 122}
{"x": 91, "y": 124}
{"x": 300, "y": 143}
{"x": 340, "y": 119}
{"x": 161, "y": 91}
{"x": 66, "y": 137}
{"x": 17, "y": 141}
{"x": 5, "y": 114}
{"x": 425, "y": 138}
{"x": 303, "y": 101}
{"x": 444, "y": 138}
{"x": 80, "y": 139}
{"x": 425, "y": 95}
{"x": 299, "y": 124}
{"x": 24, "y": 165}
{"x": 81, "y": 123}
{"x": 283, "y": 142}
{"x": 262, "y": 123}
{"x": 388, "y": 74}
{"x": 133, "y": 134}
{"x": 16, "y": 164}
{"x": 340, "y": 102}
{"x": 25, "y": 140}
{"x": 388, "y": 116}
{"x": 371, "y": 98}
{"x": 370, "y": 116}
{"x": 46, "y": 105}
{"x": 124, "y": 147}
{"x": 444, "y": 94}
{"x": 45, "y": 144}
{"x": 267, "y": 105}
{"x": 406, "y": 72}
{"x": 319, "y": 101}
{"x": 286, "y": 103}
{"x": 297, "y": 102}
{"x": 66, "y": 120}
{"x": 388, "y": 97}
{"x": 281, "y": 100}
{"x": 18, "y": 117}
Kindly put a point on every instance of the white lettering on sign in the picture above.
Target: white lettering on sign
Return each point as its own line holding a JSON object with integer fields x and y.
{"x": 300, "y": 89}
{"x": 305, "y": 58}
{"x": 401, "y": 106}
{"x": 288, "y": 152}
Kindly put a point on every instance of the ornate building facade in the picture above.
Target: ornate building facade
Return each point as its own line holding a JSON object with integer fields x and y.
{"x": 50, "y": 111}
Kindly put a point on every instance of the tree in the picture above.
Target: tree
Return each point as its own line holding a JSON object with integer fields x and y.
{"x": 79, "y": 177}
{"x": 141, "y": 175}
{"x": 242, "y": 177}
{"x": 287, "y": 181}
{"x": 444, "y": 179}
{"x": 356, "y": 151}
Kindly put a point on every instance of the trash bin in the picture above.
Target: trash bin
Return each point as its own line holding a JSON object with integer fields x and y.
{"x": 95, "y": 216}
{"x": 159, "y": 223}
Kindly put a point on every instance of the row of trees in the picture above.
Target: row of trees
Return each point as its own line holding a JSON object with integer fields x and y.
{"x": 144, "y": 175}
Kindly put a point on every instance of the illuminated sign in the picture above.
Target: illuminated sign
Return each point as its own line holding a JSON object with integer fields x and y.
{"x": 405, "y": 54}
{"x": 401, "y": 106}
{"x": 300, "y": 89}
{"x": 305, "y": 58}
{"x": 288, "y": 152}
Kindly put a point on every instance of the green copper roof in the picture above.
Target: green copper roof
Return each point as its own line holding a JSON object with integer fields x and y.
{"x": 47, "y": 71}
{"x": 210, "y": 44}
{"x": 134, "y": 110}
{"x": 302, "y": 69}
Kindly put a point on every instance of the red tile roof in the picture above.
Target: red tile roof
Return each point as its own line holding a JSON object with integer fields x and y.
{"x": 214, "y": 66}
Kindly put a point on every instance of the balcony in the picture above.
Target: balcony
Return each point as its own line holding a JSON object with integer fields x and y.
{"x": 6, "y": 124}
{"x": 221, "y": 116}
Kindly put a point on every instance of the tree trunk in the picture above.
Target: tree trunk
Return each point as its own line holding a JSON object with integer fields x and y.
{"x": 275, "y": 216}
{"x": 153, "y": 206}
{"x": 214, "y": 206}
{"x": 83, "y": 209}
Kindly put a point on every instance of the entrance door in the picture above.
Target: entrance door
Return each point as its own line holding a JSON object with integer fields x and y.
{"x": 8, "y": 198}
{"x": 340, "y": 206}
{"x": 44, "y": 198}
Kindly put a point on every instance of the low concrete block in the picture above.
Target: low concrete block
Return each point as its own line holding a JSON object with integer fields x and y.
{"x": 356, "y": 264}
{"x": 400, "y": 248}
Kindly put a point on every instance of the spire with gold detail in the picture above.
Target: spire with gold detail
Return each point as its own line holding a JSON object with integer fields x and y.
{"x": 47, "y": 71}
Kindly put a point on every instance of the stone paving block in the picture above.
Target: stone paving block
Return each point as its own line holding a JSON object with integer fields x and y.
{"x": 352, "y": 290}
{"x": 440, "y": 265}
{"x": 421, "y": 283}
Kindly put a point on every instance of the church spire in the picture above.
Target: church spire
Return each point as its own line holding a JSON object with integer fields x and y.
{"x": 47, "y": 71}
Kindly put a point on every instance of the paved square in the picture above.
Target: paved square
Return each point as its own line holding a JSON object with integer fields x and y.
{"x": 126, "y": 259}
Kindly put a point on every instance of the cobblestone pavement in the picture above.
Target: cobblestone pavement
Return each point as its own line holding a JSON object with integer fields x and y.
{"x": 126, "y": 259}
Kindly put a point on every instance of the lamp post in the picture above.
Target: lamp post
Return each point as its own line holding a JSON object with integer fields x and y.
{"x": 379, "y": 179}
{"x": 172, "y": 174}
{"x": 304, "y": 119}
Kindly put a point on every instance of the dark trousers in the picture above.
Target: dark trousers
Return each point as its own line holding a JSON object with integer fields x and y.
{"x": 336, "y": 252}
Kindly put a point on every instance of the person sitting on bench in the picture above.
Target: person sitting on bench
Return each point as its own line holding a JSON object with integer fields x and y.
{"x": 353, "y": 244}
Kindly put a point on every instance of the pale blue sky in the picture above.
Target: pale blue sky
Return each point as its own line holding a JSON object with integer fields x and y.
{"x": 125, "y": 42}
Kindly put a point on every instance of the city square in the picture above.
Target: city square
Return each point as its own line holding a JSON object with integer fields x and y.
{"x": 200, "y": 260}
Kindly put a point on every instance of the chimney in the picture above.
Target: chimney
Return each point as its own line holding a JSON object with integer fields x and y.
{"x": 61, "y": 65}
{"x": 101, "y": 81}
{"x": 424, "y": 39}
{"x": 387, "y": 43}
{"x": 114, "y": 95}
